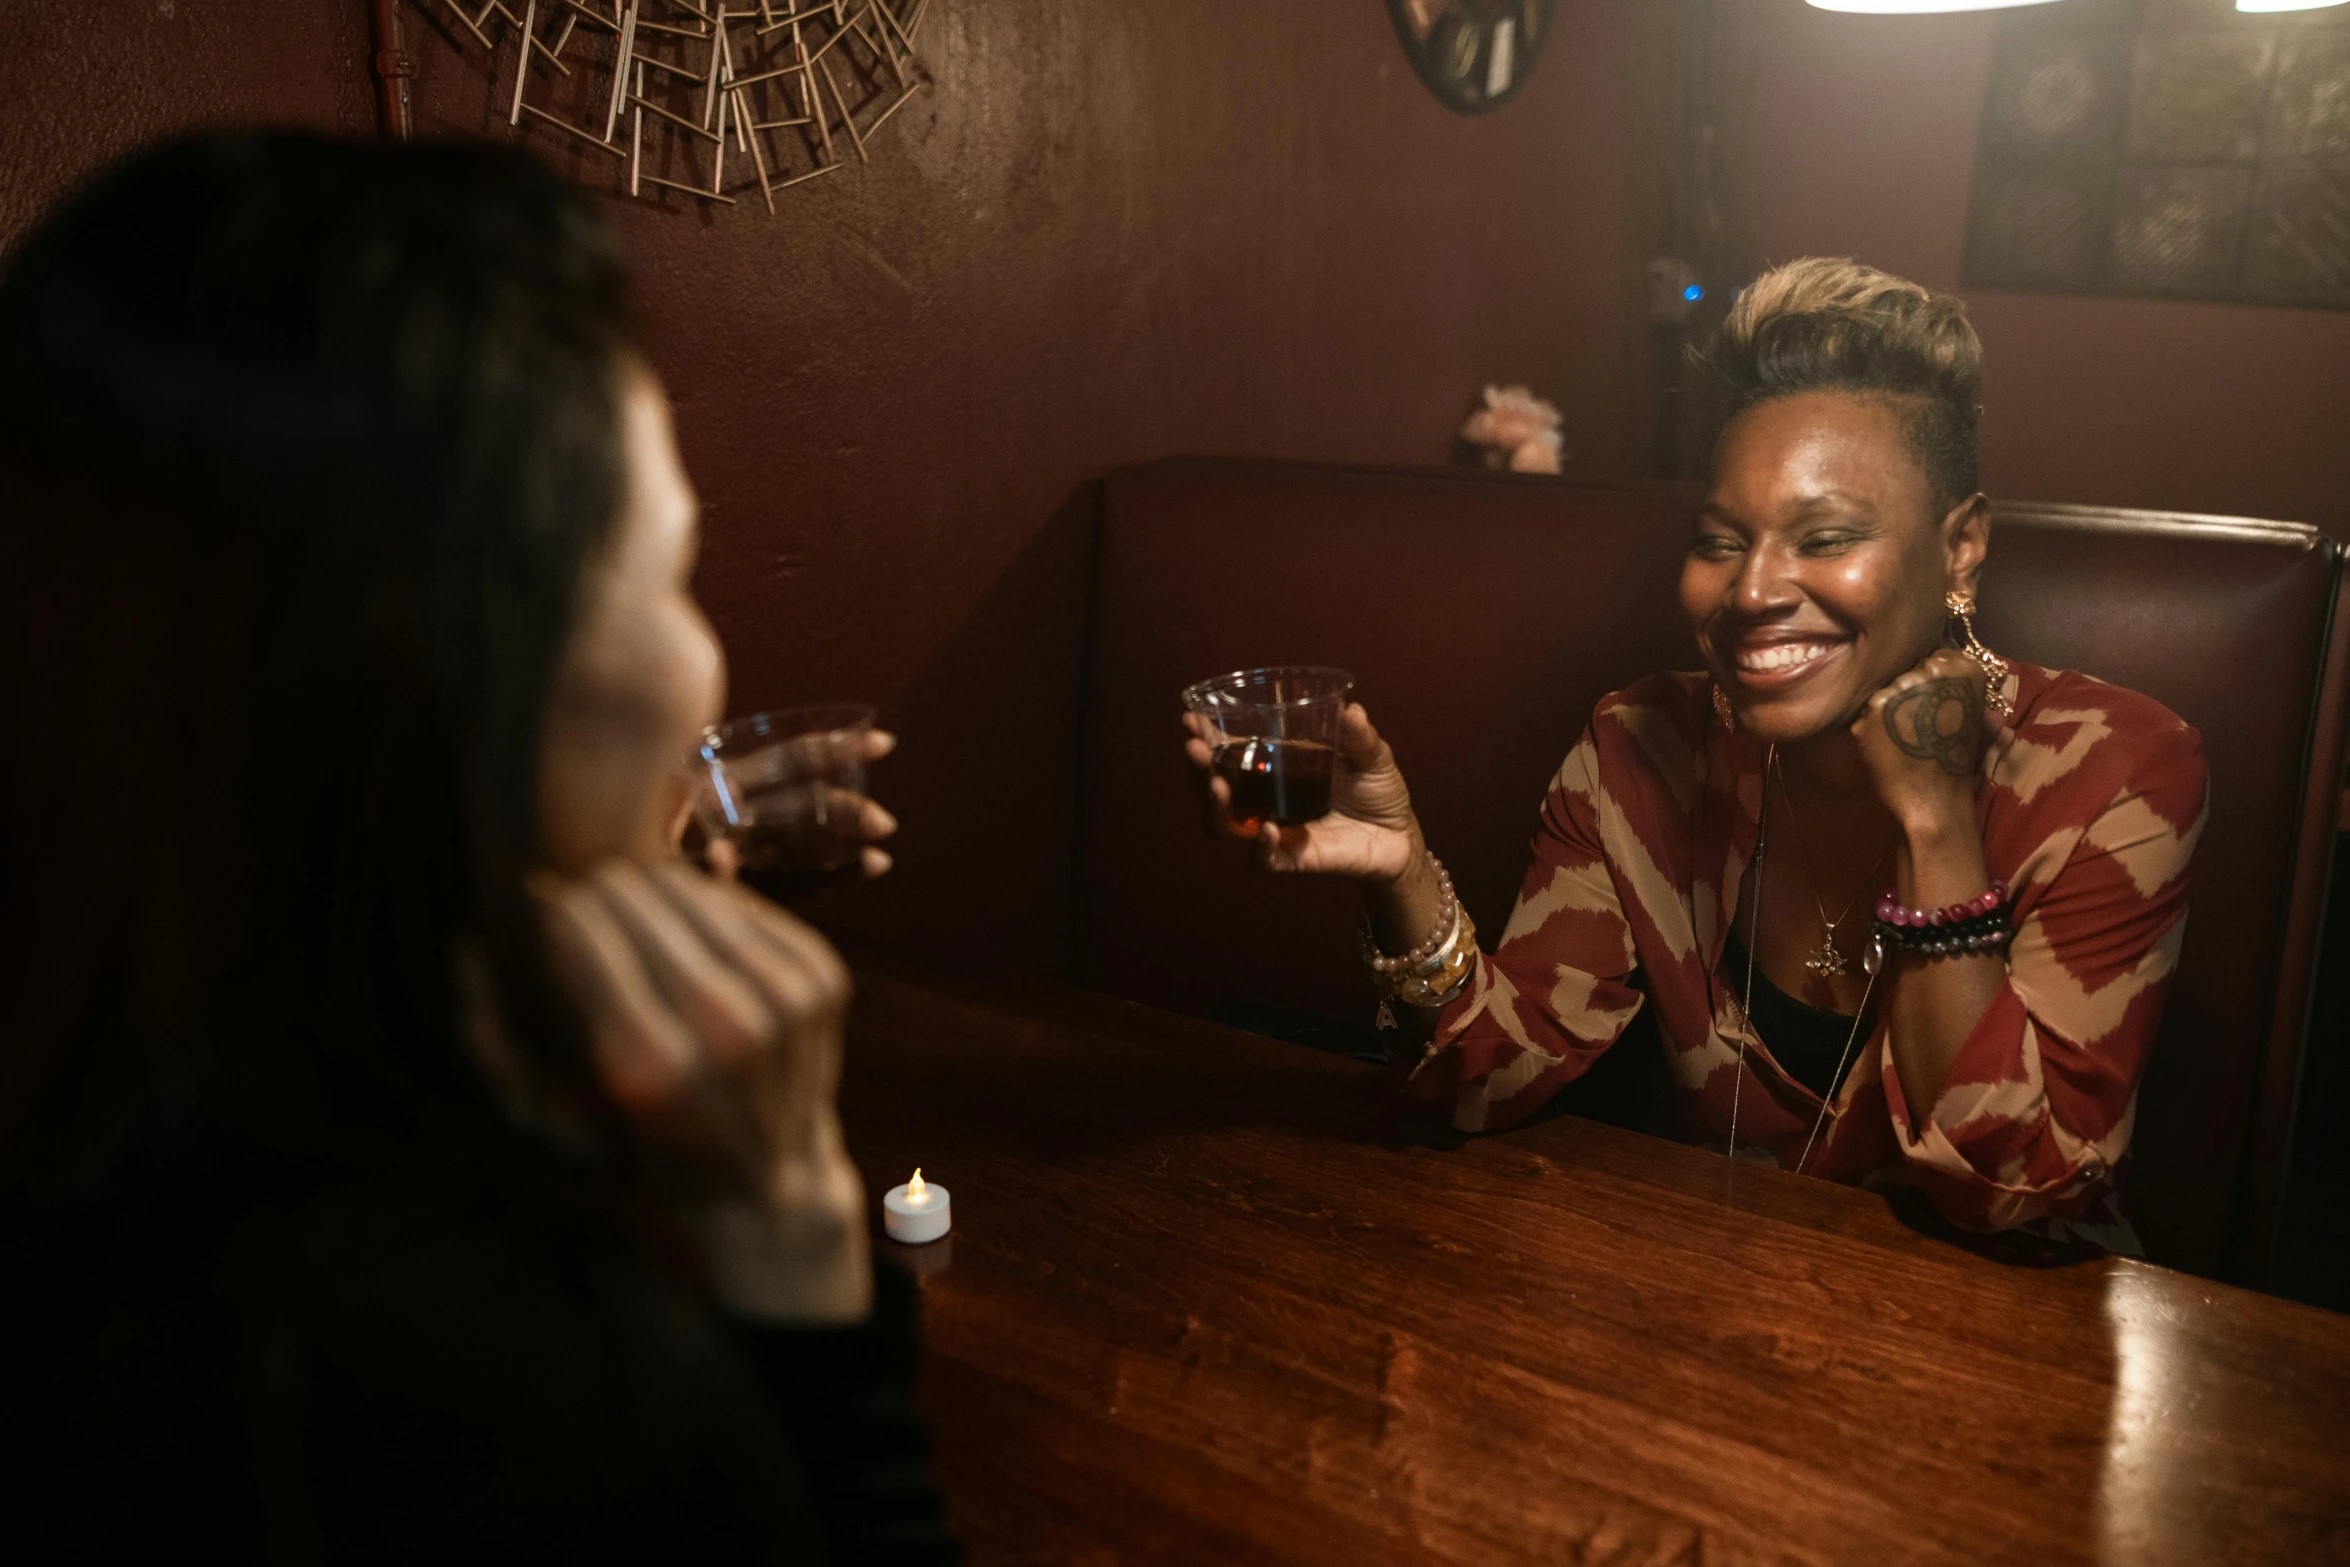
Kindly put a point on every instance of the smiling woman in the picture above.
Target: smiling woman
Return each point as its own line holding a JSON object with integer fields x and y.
{"x": 1906, "y": 911}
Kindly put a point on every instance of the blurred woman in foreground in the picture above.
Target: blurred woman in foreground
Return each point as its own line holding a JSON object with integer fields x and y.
{"x": 405, "y": 1154}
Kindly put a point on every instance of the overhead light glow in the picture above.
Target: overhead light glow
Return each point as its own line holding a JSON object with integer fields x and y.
{"x": 1921, "y": 7}
{"x": 2284, "y": 5}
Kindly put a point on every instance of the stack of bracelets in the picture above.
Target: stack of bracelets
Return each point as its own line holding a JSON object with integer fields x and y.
{"x": 1978, "y": 925}
{"x": 1431, "y": 973}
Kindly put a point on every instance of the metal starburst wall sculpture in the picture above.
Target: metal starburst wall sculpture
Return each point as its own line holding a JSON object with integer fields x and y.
{"x": 715, "y": 101}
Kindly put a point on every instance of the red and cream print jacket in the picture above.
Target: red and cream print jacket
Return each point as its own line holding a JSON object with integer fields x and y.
{"x": 2090, "y": 802}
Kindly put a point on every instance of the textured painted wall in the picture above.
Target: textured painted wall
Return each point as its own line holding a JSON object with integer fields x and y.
{"x": 83, "y": 81}
{"x": 1115, "y": 231}
{"x": 1865, "y": 146}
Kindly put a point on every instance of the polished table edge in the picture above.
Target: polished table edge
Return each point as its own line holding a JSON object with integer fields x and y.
{"x": 1752, "y": 1186}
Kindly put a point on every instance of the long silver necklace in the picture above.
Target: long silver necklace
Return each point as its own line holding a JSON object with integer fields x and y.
{"x": 1746, "y": 1001}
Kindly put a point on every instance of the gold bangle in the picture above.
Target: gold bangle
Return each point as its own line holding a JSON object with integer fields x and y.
{"x": 1438, "y": 982}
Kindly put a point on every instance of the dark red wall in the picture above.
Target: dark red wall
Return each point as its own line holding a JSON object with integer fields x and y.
{"x": 1865, "y": 146}
{"x": 82, "y": 81}
{"x": 1115, "y": 230}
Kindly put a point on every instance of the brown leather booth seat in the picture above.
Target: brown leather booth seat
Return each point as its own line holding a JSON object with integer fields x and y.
{"x": 1483, "y": 616}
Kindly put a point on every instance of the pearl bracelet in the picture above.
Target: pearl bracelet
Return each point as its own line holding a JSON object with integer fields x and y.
{"x": 1433, "y": 972}
{"x": 1447, "y": 930}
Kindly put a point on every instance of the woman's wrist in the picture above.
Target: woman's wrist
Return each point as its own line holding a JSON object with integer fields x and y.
{"x": 1414, "y": 874}
{"x": 1941, "y": 861}
{"x": 798, "y": 1252}
{"x": 1935, "y": 826}
{"x": 807, "y": 1266}
{"x": 1405, "y": 910}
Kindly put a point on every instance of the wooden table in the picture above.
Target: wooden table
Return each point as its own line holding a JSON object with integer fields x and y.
{"x": 1206, "y": 1303}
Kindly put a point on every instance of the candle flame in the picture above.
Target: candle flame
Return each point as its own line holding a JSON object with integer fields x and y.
{"x": 915, "y": 1190}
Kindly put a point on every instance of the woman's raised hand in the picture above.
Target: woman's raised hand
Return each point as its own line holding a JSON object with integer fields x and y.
{"x": 870, "y": 822}
{"x": 715, "y": 1022}
{"x": 1370, "y": 834}
{"x": 1922, "y": 735}
{"x": 856, "y": 816}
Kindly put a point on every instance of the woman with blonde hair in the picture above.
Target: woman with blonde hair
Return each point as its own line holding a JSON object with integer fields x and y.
{"x": 1906, "y": 910}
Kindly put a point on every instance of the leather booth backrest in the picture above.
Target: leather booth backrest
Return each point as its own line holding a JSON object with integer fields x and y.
{"x": 1483, "y": 617}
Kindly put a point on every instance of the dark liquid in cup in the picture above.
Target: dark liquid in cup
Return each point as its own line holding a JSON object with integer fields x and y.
{"x": 787, "y": 861}
{"x": 1283, "y": 781}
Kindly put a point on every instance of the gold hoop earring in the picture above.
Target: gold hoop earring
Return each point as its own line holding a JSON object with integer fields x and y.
{"x": 1962, "y": 609}
{"x": 1723, "y": 710}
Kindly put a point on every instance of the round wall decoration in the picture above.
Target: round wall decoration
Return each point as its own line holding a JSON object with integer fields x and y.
{"x": 718, "y": 101}
{"x": 1473, "y": 54}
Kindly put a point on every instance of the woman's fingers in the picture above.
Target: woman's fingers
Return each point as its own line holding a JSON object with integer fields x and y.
{"x": 642, "y": 1050}
{"x": 794, "y": 1072}
{"x": 731, "y": 925}
{"x": 878, "y": 743}
{"x": 820, "y": 982}
{"x": 1215, "y": 795}
{"x": 1282, "y": 848}
{"x": 723, "y": 860}
{"x": 703, "y": 985}
{"x": 868, "y": 818}
{"x": 1357, "y": 740}
{"x": 811, "y": 956}
{"x": 875, "y": 862}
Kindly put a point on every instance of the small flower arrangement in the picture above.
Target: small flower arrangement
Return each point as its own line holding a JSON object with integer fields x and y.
{"x": 1515, "y": 430}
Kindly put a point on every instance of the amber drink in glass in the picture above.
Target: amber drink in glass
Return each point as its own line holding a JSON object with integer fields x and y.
{"x": 1272, "y": 735}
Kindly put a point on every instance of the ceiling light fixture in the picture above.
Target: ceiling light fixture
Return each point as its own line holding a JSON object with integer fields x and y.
{"x": 1922, "y": 7}
{"x": 2284, "y": 5}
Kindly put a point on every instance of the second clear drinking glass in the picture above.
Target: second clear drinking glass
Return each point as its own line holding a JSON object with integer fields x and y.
{"x": 1272, "y": 735}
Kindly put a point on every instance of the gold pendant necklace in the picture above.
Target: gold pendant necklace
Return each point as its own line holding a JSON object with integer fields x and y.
{"x": 1829, "y": 961}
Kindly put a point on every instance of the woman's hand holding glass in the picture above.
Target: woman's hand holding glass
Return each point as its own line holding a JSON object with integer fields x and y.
{"x": 861, "y": 821}
{"x": 1370, "y": 834}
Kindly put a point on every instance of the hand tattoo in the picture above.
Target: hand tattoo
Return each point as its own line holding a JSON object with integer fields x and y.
{"x": 1940, "y": 721}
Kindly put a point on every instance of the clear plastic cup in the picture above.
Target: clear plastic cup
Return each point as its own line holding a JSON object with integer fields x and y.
{"x": 1272, "y": 736}
{"x": 786, "y": 789}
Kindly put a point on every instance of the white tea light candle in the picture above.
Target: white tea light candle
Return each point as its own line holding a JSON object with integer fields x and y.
{"x": 915, "y": 1212}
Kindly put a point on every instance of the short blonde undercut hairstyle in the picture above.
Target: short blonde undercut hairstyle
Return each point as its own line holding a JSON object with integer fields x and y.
{"x": 1828, "y": 324}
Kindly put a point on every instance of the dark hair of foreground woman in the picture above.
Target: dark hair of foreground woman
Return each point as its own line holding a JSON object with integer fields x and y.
{"x": 327, "y": 1232}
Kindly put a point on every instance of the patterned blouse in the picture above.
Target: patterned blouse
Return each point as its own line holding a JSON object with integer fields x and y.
{"x": 2090, "y": 801}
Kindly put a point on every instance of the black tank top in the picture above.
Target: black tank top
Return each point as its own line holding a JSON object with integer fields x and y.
{"x": 1808, "y": 1041}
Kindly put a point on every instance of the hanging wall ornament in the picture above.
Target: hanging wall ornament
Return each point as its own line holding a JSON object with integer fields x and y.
{"x": 716, "y": 101}
{"x": 1472, "y": 54}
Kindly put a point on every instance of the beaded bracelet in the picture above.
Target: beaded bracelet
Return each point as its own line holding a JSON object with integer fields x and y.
{"x": 1980, "y": 924}
{"x": 1891, "y": 912}
{"x": 1447, "y": 929}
